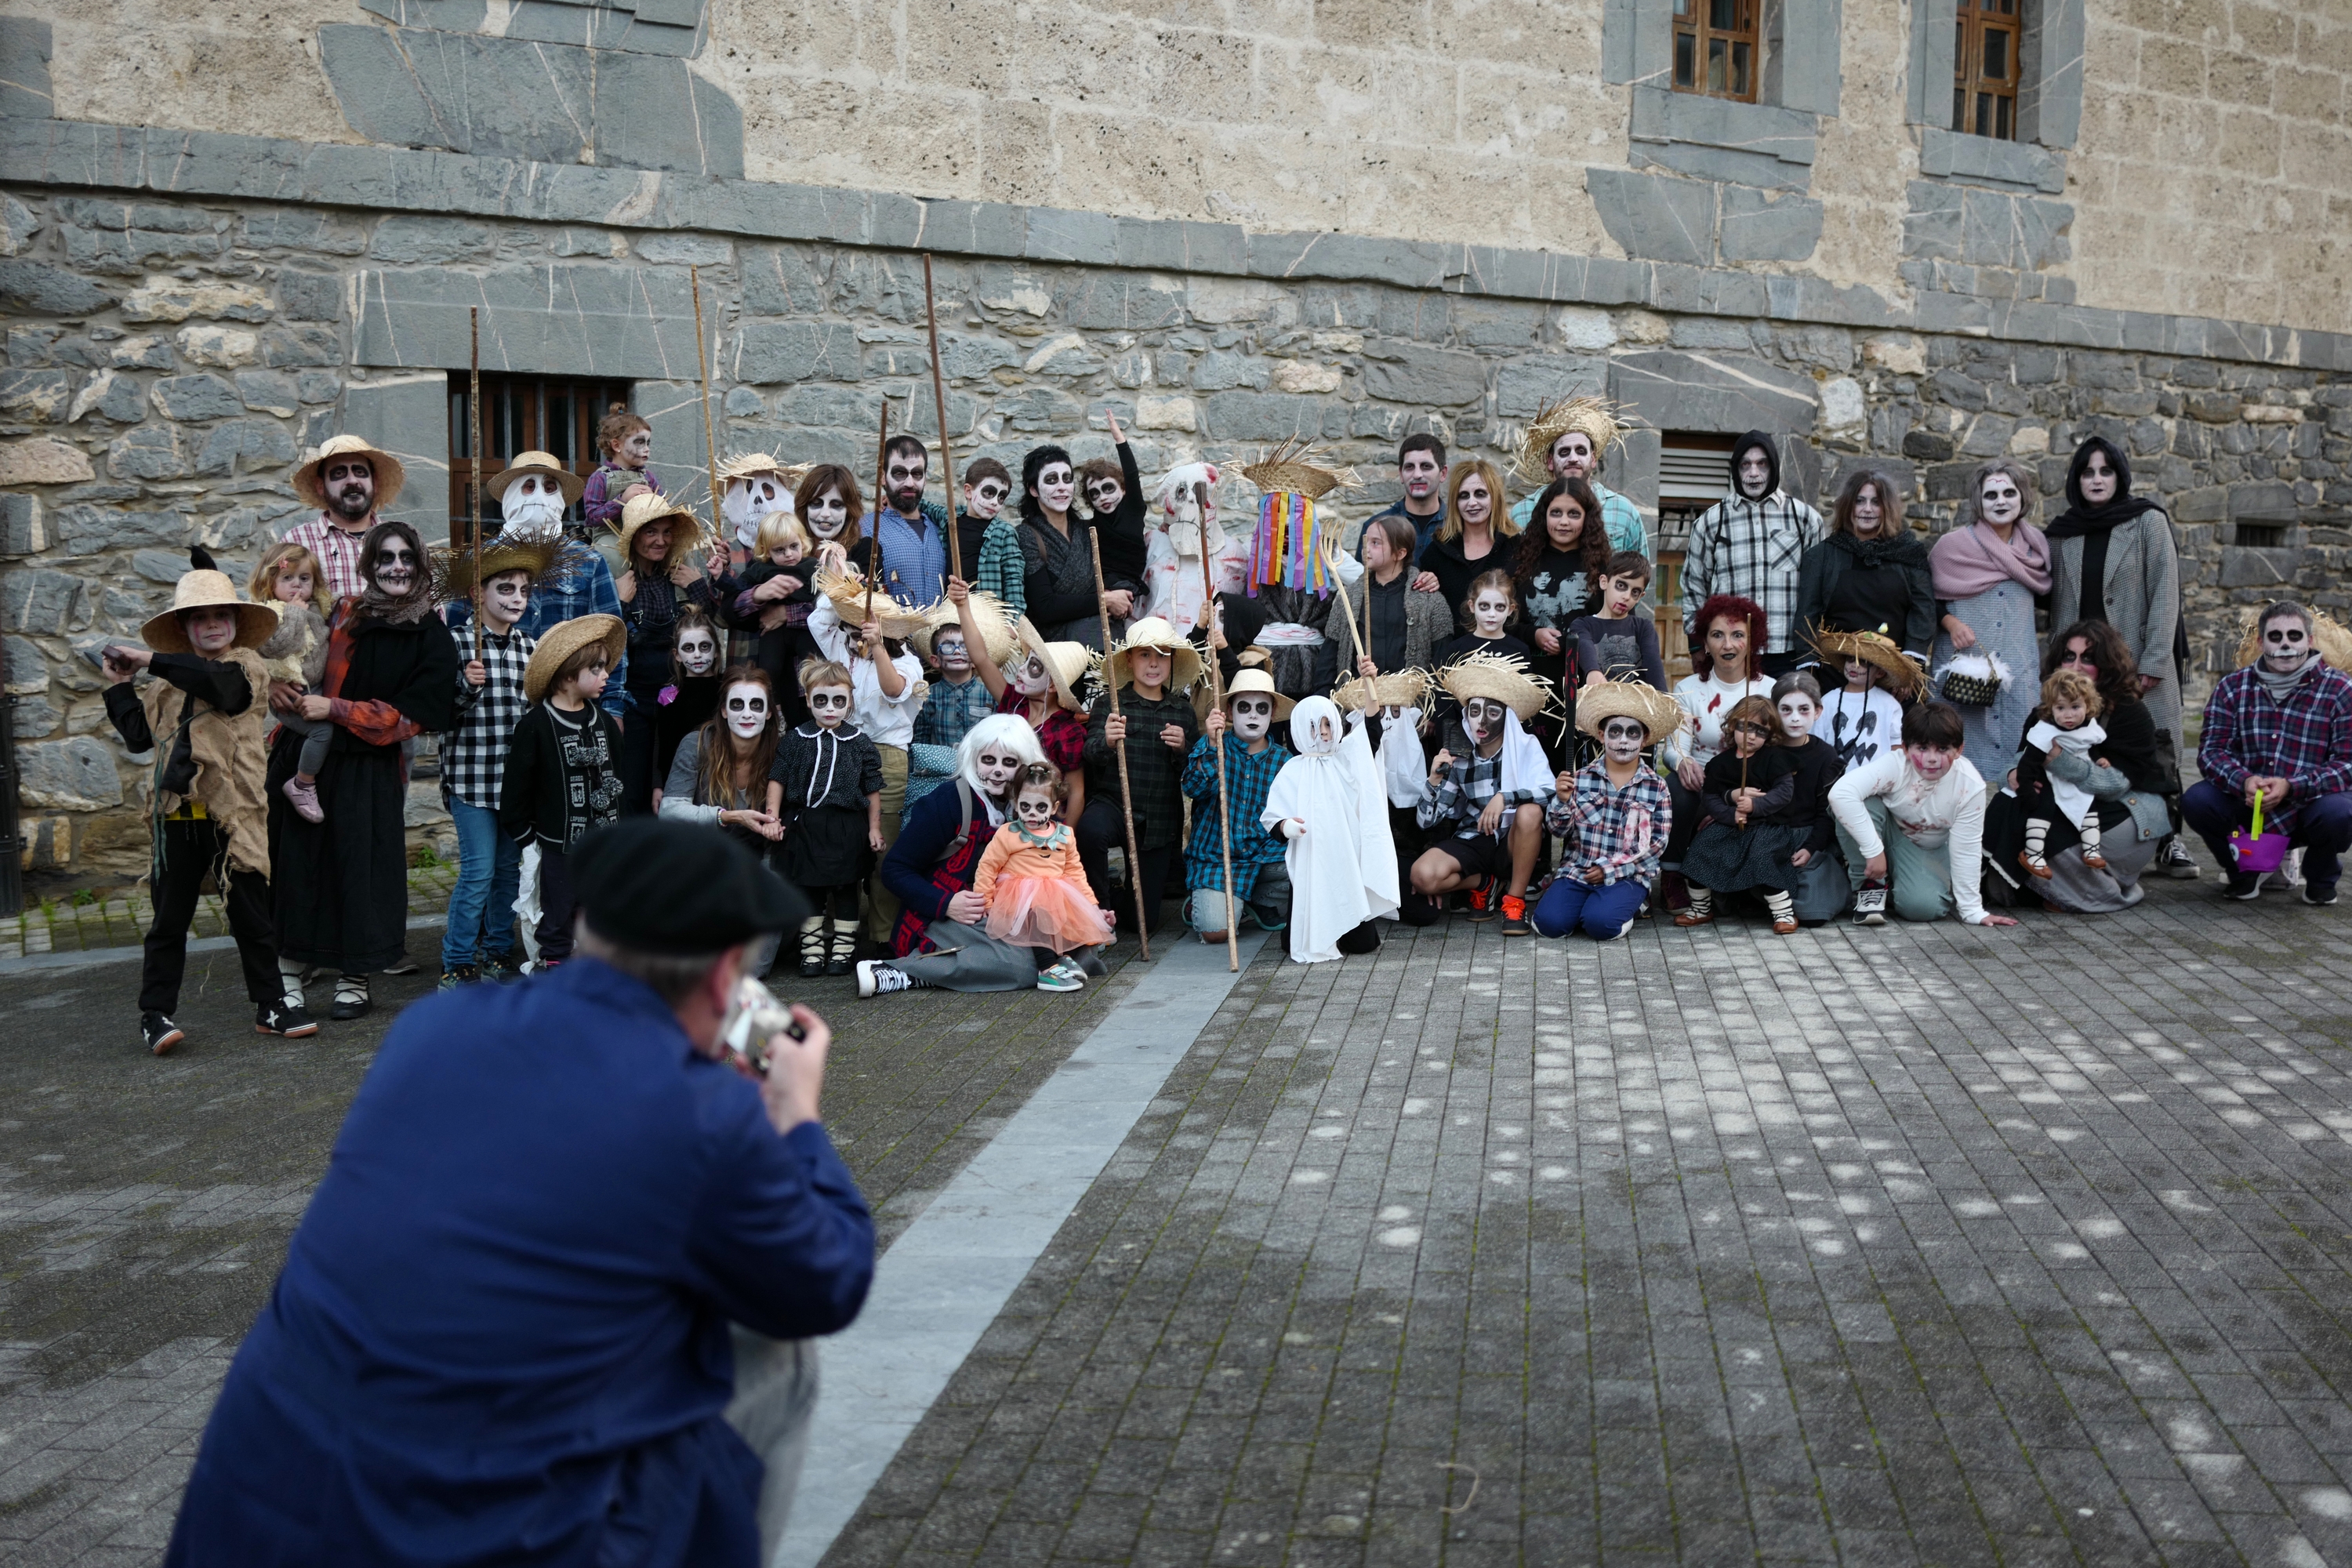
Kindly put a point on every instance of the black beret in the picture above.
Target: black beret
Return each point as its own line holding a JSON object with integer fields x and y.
{"x": 678, "y": 888}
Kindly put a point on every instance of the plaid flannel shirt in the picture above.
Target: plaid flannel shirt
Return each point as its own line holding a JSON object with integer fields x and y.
{"x": 1249, "y": 776}
{"x": 1623, "y": 831}
{"x": 567, "y": 592}
{"x": 2307, "y": 740}
{"x": 1750, "y": 548}
{"x": 1469, "y": 784}
{"x": 474, "y": 754}
{"x": 1154, "y": 769}
{"x": 338, "y": 551}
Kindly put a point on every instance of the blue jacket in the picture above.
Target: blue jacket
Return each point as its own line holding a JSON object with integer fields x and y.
{"x": 501, "y": 1329}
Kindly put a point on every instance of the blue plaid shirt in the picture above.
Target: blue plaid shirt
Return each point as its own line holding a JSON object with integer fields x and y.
{"x": 585, "y": 587}
{"x": 2307, "y": 740}
{"x": 1249, "y": 776}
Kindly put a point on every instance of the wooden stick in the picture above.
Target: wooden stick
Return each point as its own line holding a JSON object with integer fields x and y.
{"x": 1347, "y": 610}
{"x": 1217, "y": 698}
{"x": 474, "y": 320}
{"x": 709, "y": 439}
{"x": 1126, "y": 794}
{"x": 940, "y": 403}
{"x": 874, "y": 512}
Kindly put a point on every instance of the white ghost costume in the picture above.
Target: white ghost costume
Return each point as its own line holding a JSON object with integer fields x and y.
{"x": 1171, "y": 549}
{"x": 1343, "y": 867}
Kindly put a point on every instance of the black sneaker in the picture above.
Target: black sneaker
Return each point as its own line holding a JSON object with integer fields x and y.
{"x": 351, "y": 998}
{"x": 463, "y": 975}
{"x": 1870, "y": 904}
{"x": 2172, "y": 859}
{"x": 497, "y": 968}
{"x": 2314, "y": 893}
{"x": 2244, "y": 885}
{"x": 159, "y": 1033}
{"x": 285, "y": 1020}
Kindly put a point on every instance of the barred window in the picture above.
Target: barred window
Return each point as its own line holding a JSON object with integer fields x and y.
{"x": 1716, "y": 50}
{"x": 521, "y": 414}
{"x": 1985, "y": 67}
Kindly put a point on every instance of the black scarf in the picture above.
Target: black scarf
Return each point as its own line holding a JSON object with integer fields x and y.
{"x": 2081, "y": 518}
{"x": 1883, "y": 549}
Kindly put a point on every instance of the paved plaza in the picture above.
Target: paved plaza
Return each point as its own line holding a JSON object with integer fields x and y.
{"x": 1915, "y": 1245}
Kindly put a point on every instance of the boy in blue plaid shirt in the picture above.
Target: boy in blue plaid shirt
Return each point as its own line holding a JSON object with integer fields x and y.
{"x": 1261, "y": 880}
{"x": 478, "y": 940}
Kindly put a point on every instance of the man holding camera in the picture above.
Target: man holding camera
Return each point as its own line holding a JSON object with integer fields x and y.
{"x": 502, "y": 1328}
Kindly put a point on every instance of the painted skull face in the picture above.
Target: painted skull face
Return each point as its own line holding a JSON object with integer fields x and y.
{"x": 996, "y": 770}
{"x": 2286, "y": 643}
{"x": 949, "y": 648}
{"x": 532, "y": 508}
{"x": 1035, "y": 807}
{"x": 1032, "y": 678}
{"x": 829, "y": 705}
{"x": 348, "y": 484}
{"x": 986, "y": 498}
{"x": 749, "y": 499}
{"x": 698, "y": 650}
{"x": 506, "y": 596}
{"x": 1483, "y": 717}
{"x": 2000, "y": 502}
{"x": 1797, "y": 715}
{"x": 828, "y": 514}
{"x": 1621, "y": 740}
{"x": 1490, "y": 611}
{"x": 396, "y": 567}
{"x": 747, "y": 709}
{"x": 1058, "y": 484}
{"x": 1571, "y": 455}
{"x": 1252, "y": 716}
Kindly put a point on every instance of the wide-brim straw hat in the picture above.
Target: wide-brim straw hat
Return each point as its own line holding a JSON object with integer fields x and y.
{"x": 1660, "y": 714}
{"x": 1254, "y": 682}
{"x": 745, "y": 465}
{"x": 565, "y": 639}
{"x": 899, "y": 619}
{"x": 389, "y": 473}
{"x": 547, "y": 463}
{"x": 1398, "y": 689}
{"x": 454, "y": 567}
{"x": 1903, "y": 672}
{"x": 206, "y": 588}
{"x": 987, "y": 613}
{"x": 1499, "y": 678}
{"x": 1287, "y": 467}
{"x": 685, "y": 531}
{"x": 1154, "y": 632}
{"x": 1590, "y": 414}
{"x": 2334, "y": 642}
{"x": 1066, "y": 662}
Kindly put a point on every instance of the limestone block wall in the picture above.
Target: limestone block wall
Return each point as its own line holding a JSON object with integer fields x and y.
{"x": 167, "y": 358}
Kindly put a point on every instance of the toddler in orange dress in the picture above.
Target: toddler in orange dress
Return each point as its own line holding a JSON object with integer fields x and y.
{"x": 1036, "y": 892}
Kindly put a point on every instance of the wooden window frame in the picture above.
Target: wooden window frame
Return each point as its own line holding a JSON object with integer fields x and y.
{"x": 1985, "y": 105}
{"x": 1699, "y": 28}
{"x": 517, "y": 419}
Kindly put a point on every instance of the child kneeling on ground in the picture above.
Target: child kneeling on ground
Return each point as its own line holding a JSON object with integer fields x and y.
{"x": 1912, "y": 825}
{"x": 1036, "y": 889}
{"x": 1613, "y": 814}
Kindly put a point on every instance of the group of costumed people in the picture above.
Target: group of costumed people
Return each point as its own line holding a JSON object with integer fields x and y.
{"x": 943, "y": 727}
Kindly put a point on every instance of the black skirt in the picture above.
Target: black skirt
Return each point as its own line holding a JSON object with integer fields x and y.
{"x": 1731, "y": 860}
{"x": 825, "y": 847}
{"x": 340, "y": 888}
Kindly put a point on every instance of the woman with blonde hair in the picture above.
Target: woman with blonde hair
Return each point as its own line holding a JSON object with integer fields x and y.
{"x": 1471, "y": 541}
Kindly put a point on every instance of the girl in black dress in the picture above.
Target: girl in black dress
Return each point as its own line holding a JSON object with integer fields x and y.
{"x": 825, "y": 788}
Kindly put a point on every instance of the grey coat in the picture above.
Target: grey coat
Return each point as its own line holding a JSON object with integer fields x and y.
{"x": 2142, "y": 591}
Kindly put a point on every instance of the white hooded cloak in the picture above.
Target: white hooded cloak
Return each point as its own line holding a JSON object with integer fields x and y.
{"x": 1343, "y": 867}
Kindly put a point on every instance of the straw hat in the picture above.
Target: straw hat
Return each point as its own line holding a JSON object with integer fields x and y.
{"x": 389, "y": 475}
{"x": 1902, "y": 673}
{"x": 1154, "y": 632}
{"x": 1552, "y": 421}
{"x": 1286, "y": 468}
{"x": 899, "y": 619}
{"x": 2334, "y": 642}
{"x": 452, "y": 568}
{"x": 1066, "y": 662}
{"x": 1256, "y": 682}
{"x": 547, "y": 463}
{"x": 744, "y": 466}
{"x": 565, "y": 639}
{"x": 1660, "y": 714}
{"x": 1402, "y": 689}
{"x": 1500, "y": 677}
{"x": 987, "y": 611}
{"x": 685, "y": 531}
{"x": 203, "y": 587}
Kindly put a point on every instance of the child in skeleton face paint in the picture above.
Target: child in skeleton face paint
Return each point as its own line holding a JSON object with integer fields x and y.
{"x": 1036, "y": 889}
{"x": 1748, "y": 841}
{"x": 773, "y": 608}
{"x": 990, "y": 542}
{"x": 959, "y": 699}
{"x": 825, "y": 788}
{"x": 1613, "y": 814}
{"x": 1487, "y": 801}
{"x": 1253, "y": 759}
{"x": 691, "y": 696}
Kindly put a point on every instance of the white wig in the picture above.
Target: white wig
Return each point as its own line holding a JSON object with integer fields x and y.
{"x": 997, "y": 733}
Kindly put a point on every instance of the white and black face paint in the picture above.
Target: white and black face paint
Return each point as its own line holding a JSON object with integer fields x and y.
{"x": 997, "y": 770}
{"x": 698, "y": 650}
{"x": 828, "y": 514}
{"x": 532, "y": 508}
{"x": 1030, "y": 678}
{"x": 2286, "y": 643}
{"x": 396, "y": 567}
{"x": 949, "y": 648}
{"x": 1252, "y": 716}
{"x": 1483, "y": 717}
{"x": 1621, "y": 740}
{"x": 1036, "y": 810}
{"x": 829, "y": 705}
{"x": 1797, "y": 716}
{"x": 749, "y": 499}
{"x": 2001, "y": 504}
{"x": 1490, "y": 612}
{"x": 505, "y": 598}
{"x": 747, "y": 709}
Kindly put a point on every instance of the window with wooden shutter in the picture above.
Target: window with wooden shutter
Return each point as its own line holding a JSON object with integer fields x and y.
{"x": 1985, "y": 67}
{"x": 1717, "y": 52}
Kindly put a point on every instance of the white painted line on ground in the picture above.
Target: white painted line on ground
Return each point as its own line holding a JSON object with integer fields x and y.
{"x": 946, "y": 1277}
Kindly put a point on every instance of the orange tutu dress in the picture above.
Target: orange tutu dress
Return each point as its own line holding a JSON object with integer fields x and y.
{"x": 1036, "y": 892}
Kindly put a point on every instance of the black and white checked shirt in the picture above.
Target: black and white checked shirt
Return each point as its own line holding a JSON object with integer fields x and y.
{"x": 1750, "y": 548}
{"x": 474, "y": 754}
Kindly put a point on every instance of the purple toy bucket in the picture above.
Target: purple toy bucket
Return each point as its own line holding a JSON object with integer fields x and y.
{"x": 2257, "y": 851}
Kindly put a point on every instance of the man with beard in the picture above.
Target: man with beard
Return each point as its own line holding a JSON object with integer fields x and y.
{"x": 1751, "y": 544}
{"x": 2278, "y": 733}
{"x": 350, "y": 481}
{"x": 341, "y": 886}
{"x": 1568, "y": 441}
{"x": 912, "y": 531}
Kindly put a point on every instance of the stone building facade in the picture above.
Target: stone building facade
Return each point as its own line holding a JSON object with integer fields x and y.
{"x": 195, "y": 297}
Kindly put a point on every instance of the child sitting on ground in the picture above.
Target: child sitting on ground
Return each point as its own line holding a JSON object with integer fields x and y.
{"x": 1749, "y": 780}
{"x": 1620, "y": 636}
{"x": 1613, "y": 814}
{"x": 825, "y": 787}
{"x": 289, "y": 580}
{"x": 2067, "y": 721}
{"x": 1034, "y": 885}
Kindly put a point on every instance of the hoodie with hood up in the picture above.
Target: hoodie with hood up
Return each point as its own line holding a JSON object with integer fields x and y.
{"x": 1751, "y": 546}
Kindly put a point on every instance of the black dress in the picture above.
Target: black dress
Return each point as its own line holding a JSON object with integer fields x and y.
{"x": 826, "y": 775}
{"x": 1728, "y": 858}
{"x": 695, "y": 700}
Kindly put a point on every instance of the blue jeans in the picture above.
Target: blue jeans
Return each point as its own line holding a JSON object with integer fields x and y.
{"x": 1603, "y": 912}
{"x": 2321, "y": 830}
{"x": 490, "y": 868}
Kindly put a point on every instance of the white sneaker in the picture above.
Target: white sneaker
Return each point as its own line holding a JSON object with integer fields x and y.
{"x": 1870, "y": 907}
{"x": 876, "y": 978}
{"x": 1062, "y": 976}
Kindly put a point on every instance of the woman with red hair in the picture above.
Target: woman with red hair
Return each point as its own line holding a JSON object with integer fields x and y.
{"x": 1724, "y": 668}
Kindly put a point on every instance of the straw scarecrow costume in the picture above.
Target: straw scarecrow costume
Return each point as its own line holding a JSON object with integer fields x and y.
{"x": 1537, "y": 466}
{"x": 352, "y": 482}
{"x": 201, "y": 713}
{"x": 1252, "y": 757}
{"x": 535, "y": 493}
{"x": 1614, "y": 814}
{"x": 1485, "y": 805}
{"x": 750, "y": 488}
{"x": 1160, "y": 730}
{"x": 1295, "y": 562}
{"x": 562, "y": 776}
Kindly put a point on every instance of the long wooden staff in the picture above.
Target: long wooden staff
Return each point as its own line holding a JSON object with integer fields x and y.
{"x": 1126, "y": 796}
{"x": 474, "y": 320}
{"x": 874, "y": 512}
{"x": 940, "y": 403}
{"x": 709, "y": 439}
{"x": 1217, "y": 741}
{"x": 1347, "y": 610}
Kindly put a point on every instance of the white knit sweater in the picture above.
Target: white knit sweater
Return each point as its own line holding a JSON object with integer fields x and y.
{"x": 1947, "y": 814}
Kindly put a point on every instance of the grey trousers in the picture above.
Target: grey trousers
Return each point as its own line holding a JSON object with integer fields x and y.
{"x": 775, "y": 1396}
{"x": 971, "y": 960}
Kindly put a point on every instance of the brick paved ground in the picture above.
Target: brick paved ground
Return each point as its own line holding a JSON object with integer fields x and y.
{"x": 1915, "y": 1245}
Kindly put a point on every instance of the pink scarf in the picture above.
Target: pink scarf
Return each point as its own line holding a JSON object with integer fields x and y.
{"x": 1969, "y": 561}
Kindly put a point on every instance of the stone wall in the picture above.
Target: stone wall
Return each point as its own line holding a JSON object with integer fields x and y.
{"x": 168, "y": 358}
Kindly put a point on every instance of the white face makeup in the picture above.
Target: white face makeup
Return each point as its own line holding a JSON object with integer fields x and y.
{"x": 986, "y": 498}
{"x": 637, "y": 449}
{"x": 1622, "y": 739}
{"x": 1622, "y": 593}
{"x": 2098, "y": 479}
{"x": 1035, "y": 808}
{"x": 1797, "y": 716}
{"x": 1475, "y": 502}
{"x": 749, "y": 499}
{"x": 1103, "y": 496}
{"x": 2286, "y": 643}
{"x": 210, "y": 630}
{"x": 1999, "y": 502}
{"x": 532, "y": 508}
{"x": 505, "y": 598}
{"x": 349, "y": 485}
{"x": 1056, "y": 484}
{"x": 396, "y": 567}
{"x": 1483, "y": 718}
{"x": 1421, "y": 473}
{"x": 1031, "y": 678}
{"x": 698, "y": 650}
{"x": 1489, "y": 611}
{"x": 746, "y": 706}
{"x": 996, "y": 770}
{"x": 949, "y": 648}
{"x": 1252, "y": 716}
{"x": 1755, "y": 473}
{"x": 829, "y": 705}
{"x": 828, "y": 514}
{"x": 1572, "y": 455}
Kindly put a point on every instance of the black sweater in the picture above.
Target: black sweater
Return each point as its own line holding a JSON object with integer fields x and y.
{"x": 562, "y": 777}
